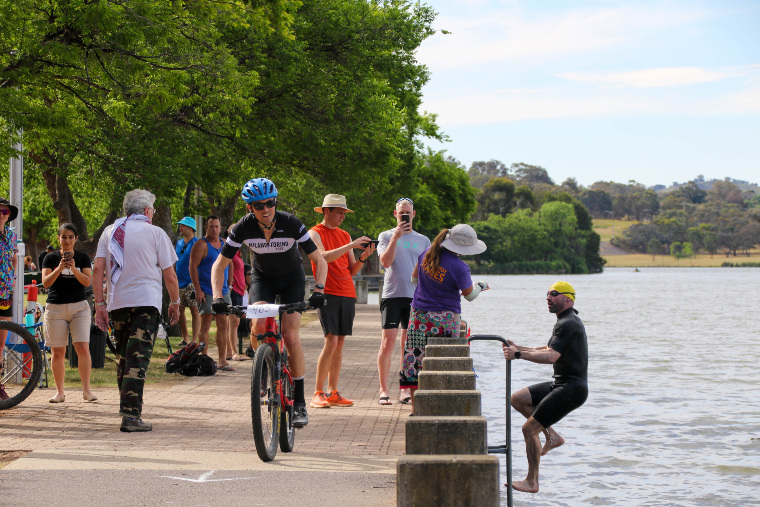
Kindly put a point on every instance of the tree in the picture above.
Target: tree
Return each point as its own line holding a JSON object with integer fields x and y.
{"x": 497, "y": 197}
{"x": 530, "y": 174}
{"x": 654, "y": 247}
{"x": 480, "y": 172}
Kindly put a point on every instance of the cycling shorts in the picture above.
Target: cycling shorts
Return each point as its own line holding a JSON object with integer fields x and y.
{"x": 290, "y": 287}
{"x": 395, "y": 312}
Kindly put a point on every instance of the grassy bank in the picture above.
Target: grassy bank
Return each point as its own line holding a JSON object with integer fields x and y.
{"x": 698, "y": 261}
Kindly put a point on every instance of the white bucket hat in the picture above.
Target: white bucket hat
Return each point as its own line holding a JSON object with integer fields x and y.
{"x": 334, "y": 201}
{"x": 463, "y": 240}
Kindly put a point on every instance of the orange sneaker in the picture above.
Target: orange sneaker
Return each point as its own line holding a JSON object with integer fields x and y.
{"x": 336, "y": 400}
{"x": 320, "y": 400}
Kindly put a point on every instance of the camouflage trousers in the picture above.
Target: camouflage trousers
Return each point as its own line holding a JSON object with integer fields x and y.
{"x": 134, "y": 331}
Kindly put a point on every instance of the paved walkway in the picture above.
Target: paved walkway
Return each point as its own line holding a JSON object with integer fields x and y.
{"x": 202, "y": 439}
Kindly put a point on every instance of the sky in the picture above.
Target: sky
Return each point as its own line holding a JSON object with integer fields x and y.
{"x": 653, "y": 91}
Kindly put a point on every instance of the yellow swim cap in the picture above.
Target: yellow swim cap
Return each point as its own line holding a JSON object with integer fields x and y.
{"x": 564, "y": 288}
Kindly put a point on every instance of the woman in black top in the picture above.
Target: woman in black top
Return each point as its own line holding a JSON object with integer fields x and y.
{"x": 66, "y": 274}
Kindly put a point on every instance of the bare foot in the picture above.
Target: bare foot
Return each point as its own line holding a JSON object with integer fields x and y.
{"x": 88, "y": 396}
{"x": 552, "y": 443}
{"x": 58, "y": 398}
{"x": 525, "y": 486}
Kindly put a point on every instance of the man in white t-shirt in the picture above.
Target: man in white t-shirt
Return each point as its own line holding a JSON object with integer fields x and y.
{"x": 137, "y": 256}
{"x": 399, "y": 249}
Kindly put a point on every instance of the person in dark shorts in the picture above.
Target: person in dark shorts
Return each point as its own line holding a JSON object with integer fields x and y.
{"x": 337, "y": 316}
{"x": 274, "y": 237}
{"x": 546, "y": 403}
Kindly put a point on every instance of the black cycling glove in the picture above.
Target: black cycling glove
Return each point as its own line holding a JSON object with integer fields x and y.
{"x": 220, "y": 306}
{"x": 317, "y": 300}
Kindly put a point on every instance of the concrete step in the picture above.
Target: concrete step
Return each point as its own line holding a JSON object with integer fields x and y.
{"x": 446, "y": 435}
{"x": 447, "y": 351}
{"x": 447, "y": 364}
{"x": 466, "y": 480}
{"x": 447, "y": 380}
{"x": 439, "y": 402}
{"x": 446, "y": 340}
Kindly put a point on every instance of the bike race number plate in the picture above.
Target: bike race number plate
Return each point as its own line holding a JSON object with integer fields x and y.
{"x": 262, "y": 311}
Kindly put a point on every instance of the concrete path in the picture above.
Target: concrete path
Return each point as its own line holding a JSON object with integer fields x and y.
{"x": 201, "y": 449}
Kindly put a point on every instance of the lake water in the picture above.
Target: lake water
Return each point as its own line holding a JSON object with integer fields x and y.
{"x": 673, "y": 416}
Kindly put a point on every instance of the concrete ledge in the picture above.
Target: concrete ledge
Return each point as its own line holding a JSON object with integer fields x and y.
{"x": 447, "y": 380}
{"x": 447, "y": 480}
{"x": 446, "y": 435}
{"x": 437, "y": 403}
{"x": 447, "y": 364}
{"x": 447, "y": 351}
{"x": 446, "y": 340}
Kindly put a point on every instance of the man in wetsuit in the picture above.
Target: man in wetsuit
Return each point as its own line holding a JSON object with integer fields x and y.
{"x": 547, "y": 403}
{"x": 274, "y": 237}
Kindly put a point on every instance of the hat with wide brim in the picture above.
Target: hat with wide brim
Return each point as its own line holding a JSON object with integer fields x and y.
{"x": 334, "y": 201}
{"x": 463, "y": 240}
{"x": 14, "y": 209}
{"x": 188, "y": 221}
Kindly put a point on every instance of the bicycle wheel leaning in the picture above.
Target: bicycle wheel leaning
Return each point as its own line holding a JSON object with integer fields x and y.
{"x": 287, "y": 431}
{"x": 21, "y": 364}
{"x": 265, "y": 403}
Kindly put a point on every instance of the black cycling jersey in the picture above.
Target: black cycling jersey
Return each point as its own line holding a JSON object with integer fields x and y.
{"x": 279, "y": 255}
{"x": 569, "y": 339}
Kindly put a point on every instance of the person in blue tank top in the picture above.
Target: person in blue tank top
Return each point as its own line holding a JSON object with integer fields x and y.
{"x": 183, "y": 247}
{"x": 202, "y": 257}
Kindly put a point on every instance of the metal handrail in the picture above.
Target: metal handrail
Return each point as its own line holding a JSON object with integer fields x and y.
{"x": 507, "y": 447}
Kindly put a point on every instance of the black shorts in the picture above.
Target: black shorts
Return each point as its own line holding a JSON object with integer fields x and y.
{"x": 555, "y": 401}
{"x": 290, "y": 287}
{"x": 395, "y": 312}
{"x": 337, "y": 316}
{"x": 237, "y": 299}
{"x": 8, "y": 312}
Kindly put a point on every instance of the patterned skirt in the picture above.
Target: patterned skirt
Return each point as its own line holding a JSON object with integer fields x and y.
{"x": 422, "y": 325}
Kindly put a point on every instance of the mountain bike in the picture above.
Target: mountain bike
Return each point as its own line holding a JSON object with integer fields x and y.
{"x": 272, "y": 387}
{"x": 21, "y": 363}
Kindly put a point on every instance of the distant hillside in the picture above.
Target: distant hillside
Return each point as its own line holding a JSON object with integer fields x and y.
{"x": 706, "y": 185}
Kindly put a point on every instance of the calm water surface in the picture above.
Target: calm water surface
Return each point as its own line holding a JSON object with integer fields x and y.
{"x": 673, "y": 414}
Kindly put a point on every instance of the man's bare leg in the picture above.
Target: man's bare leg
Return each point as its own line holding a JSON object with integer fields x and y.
{"x": 522, "y": 402}
{"x": 553, "y": 440}
{"x": 531, "y": 429}
{"x": 203, "y": 332}
{"x": 335, "y": 364}
{"x": 404, "y": 393}
{"x": 387, "y": 343}
{"x": 222, "y": 339}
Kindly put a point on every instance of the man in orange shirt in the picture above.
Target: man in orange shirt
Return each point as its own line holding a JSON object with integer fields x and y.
{"x": 337, "y": 316}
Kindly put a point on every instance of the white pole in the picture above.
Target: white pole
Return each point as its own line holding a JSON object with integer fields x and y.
{"x": 17, "y": 199}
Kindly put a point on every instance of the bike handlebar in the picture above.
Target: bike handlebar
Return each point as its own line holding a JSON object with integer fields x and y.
{"x": 301, "y": 306}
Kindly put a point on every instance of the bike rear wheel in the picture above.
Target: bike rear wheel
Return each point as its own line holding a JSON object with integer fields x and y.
{"x": 21, "y": 362}
{"x": 265, "y": 403}
{"x": 287, "y": 431}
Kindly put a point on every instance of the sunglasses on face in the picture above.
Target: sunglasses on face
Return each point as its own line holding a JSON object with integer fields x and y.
{"x": 5, "y": 212}
{"x": 258, "y": 206}
{"x": 554, "y": 293}
{"x": 405, "y": 199}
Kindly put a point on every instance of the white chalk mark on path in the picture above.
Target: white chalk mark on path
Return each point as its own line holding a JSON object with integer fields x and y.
{"x": 205, "y": 478}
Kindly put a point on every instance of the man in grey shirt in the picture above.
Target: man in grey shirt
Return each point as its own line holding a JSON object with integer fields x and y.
{"x": 399, "y": 249}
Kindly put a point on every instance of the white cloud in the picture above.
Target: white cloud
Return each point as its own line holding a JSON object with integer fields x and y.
{"x": 661, "y": 77}
{"x": 512, "y": 35}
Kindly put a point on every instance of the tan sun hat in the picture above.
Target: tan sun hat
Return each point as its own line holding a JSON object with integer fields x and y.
{"x": 334, "y": 201}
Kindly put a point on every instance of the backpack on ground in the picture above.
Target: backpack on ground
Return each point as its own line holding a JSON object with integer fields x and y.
{"x": 181, "y": 357}
{"x": 199, "y": 366}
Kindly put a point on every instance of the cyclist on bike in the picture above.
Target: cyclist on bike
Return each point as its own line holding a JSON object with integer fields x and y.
{"x": 274, "y": 237}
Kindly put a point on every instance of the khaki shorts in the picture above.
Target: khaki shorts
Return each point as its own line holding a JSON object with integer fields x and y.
{"x": 60, "y": 320}
{"x": 184, "y": 296}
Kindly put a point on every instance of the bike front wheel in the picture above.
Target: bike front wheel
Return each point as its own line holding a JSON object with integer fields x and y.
{"x": 265, "y": 403}
{"x": 287, "y": 431}
{"x": 21, "y": 363}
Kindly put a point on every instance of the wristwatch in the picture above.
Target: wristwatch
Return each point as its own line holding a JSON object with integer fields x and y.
{"x": 518, "y": 354}
{"x": 174, "y": 302}
{"x": 101, "y": 303}
{"x": 319, "y": 286}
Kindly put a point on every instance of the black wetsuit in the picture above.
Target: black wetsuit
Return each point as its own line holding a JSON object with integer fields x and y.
{"x": 554, "y": 400}
{"x": 277, "y": 265}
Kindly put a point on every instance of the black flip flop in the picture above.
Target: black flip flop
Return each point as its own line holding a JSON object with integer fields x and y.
{"x": 385, "y": 401}
{"x": 406, "y": 401}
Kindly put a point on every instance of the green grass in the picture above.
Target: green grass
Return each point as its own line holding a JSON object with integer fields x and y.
{"x": 607, "y": 228}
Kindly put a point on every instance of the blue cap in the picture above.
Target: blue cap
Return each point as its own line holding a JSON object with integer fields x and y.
{"x": 188, "y": 221}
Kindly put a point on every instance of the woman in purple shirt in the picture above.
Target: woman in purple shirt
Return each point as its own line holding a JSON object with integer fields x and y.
{"x": 441, "y": 276}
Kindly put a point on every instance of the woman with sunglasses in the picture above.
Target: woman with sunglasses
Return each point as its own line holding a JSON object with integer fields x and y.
{"x": 66, "y": 274}
{"x": 274, "y": 237}
{"x": 441, "y": 278}
{"x": 8, "y": 261}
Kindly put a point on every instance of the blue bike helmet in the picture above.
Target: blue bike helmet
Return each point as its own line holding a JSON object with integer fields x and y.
{"x": 258, "y": 189}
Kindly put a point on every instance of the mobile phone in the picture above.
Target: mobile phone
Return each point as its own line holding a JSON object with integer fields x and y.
{"x": 68, "y": 255}
{"x": 370, "y": 242}
{"x": 405, "y": 218}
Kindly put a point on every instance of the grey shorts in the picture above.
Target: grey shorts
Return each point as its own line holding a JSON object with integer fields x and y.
{"x": 185, "y": 298}
{"x": 337, "y": 316}
{"x": 205, "y": 307}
